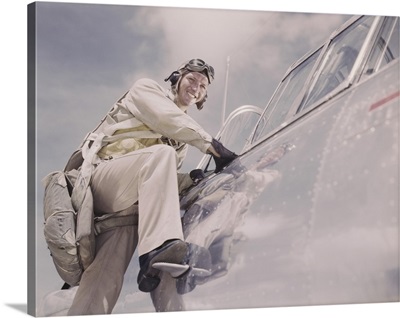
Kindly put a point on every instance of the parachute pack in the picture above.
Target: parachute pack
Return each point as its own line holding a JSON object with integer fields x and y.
{"x": 69, "y": 236}
{"x": 70, "y": 231}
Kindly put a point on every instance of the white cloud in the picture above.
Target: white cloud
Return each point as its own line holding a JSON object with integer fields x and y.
{"x": 250, "y": 38}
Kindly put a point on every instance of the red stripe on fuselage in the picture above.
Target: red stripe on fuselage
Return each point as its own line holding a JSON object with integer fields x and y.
{"x": 384, "y": 101}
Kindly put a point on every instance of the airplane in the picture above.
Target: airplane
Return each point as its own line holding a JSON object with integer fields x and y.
{"x": 308, "y": 214}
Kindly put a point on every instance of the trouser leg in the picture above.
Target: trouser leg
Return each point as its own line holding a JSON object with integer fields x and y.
{"x": 149, "y": 176}
{"x": 159, "y": 210}
{"x": 102, "y": 281}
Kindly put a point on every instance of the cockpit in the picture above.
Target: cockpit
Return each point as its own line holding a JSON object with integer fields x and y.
{"x": 357, "y": 50}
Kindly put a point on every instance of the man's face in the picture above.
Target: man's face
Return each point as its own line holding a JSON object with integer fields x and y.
{"x": 192, "y": 89}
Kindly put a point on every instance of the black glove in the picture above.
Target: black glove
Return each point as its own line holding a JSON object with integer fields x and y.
{"x": 197, "y": 175}
{"x": 226, "y": 156}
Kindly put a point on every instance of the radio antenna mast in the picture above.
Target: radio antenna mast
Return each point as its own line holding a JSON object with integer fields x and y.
{"x": 225, "y": 91}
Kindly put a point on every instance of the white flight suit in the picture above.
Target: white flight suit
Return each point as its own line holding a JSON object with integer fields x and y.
{"x": 143, "y": 142}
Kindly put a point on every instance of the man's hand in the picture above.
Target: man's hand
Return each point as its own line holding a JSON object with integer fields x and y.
{"x": 222, "y": 156}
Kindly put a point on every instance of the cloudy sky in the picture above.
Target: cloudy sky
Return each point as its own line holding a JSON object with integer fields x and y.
{"x": 89, "y": 55}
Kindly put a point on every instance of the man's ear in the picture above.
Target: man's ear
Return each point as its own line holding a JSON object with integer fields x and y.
{"x": 200, "y": 104}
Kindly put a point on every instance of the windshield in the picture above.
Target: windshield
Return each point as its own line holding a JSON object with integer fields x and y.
{"x": 287, "y": 93}
{"x": 320, "y": 81}
{"x": 339, "y": 59}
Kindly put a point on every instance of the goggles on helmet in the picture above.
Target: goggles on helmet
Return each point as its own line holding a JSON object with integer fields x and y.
{"x": 198, "y": 65}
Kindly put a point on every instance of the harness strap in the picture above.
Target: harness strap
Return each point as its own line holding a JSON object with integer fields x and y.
{"x": 132, "y": 134}
{"x": 83, "y": 180}
{"x": 131, "y": 122}
{"x": 109, "y": 223}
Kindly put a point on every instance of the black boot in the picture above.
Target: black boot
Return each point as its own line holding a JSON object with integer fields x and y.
{"x": 172, "y": 251}
{"x": 175, "y": 252}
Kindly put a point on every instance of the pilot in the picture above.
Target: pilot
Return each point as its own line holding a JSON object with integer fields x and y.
{"x": 144, "y": 140}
